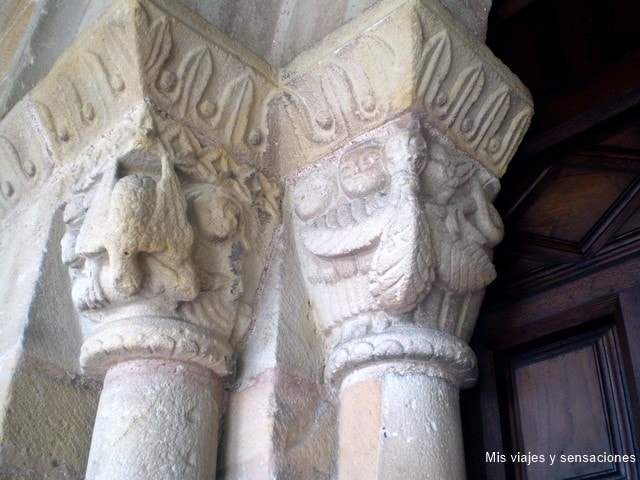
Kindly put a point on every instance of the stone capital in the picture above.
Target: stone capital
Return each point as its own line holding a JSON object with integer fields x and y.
{"x": 395, "y": 235}
{"x": 158, "y": 230}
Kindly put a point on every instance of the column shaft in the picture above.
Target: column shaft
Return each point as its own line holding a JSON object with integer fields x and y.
{"x": 403, "y": 426}
{"x": 156, "y": 419}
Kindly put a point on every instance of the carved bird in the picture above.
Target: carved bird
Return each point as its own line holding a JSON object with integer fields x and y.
{"x": 141, "y": 214}
{"x": 402, "y": 268}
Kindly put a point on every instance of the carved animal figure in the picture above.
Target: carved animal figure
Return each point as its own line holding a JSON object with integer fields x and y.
{"x": 402, "y": 268}
{"x": 144, "y": 216}
{"x": 463, "y": 225}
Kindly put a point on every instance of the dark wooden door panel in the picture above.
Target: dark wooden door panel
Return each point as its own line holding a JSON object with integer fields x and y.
{"x": 568, "y": 403}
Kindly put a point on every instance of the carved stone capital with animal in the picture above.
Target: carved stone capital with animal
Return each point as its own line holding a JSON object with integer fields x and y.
{"x": 160, "y": 228}
{"x": 398, "y": 229}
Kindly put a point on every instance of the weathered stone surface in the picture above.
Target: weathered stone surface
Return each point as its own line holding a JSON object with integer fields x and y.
{"x": 203, "y": 79}
{"x": 46, "y": 411}
{"x": 156, "y": 419}
{"x": 24, "y": 163}
{"x": 279, "y": 425}
{"x": 360, "y": 431}
{"x": 278, "y": 31}
{"x": 280, "y": 420}
{"x": 395, "y": 233}
{"x": 14, "y": 20}
{"x": 45, "y": 420}
{"x": 33, "y": 34}
{"x": 90, "y": 87}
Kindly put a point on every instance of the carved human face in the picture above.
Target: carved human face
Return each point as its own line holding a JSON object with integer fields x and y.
{"x": 362, "y": 171}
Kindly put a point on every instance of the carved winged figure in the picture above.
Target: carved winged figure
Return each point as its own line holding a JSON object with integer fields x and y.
{"x": 396, "y": 234}
{"x": 369, "y": 240}
{"x": 402, "y": 268}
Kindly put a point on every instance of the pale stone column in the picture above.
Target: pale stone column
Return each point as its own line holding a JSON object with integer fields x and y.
{"x": 155, "y": 244}
{"x": 395, "y": 234}
{"x": 408, "y": 127}
{"x": 399, "y": 416}
{"x": 157, "y": 419}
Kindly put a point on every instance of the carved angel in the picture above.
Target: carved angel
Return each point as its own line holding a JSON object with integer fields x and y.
{"x": 402, "y": 268}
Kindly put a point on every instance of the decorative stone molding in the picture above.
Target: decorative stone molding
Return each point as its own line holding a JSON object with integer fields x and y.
{"x": 416, "y": 349}
{"x": 167, "y": 54}
{"x": 200, "y": 77}
{"x": 398, "y": 56}
{"x": 407, "y": 55}
{"x": 157, "y": 234}
{"x": 397, "y": 229}
{"x": 24, "y": 165}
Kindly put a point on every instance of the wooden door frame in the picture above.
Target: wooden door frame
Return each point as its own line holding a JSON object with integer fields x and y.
{"x": 612, "y": 292}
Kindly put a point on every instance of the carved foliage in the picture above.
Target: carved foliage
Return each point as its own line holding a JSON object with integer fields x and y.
{"x": 421, "y": 60}
{"x": 24, "y": 164}
{"x": 161, "y": 227}
{"x": 343, "y": 95}
{"x": 88, "y": 88}
{"x": 391, "y": 223}
{"x": 17, "y": 174}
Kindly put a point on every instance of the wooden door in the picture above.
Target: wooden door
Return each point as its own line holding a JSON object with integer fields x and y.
{"x": 558, "y": 339}
{"x": 561, "y": 395}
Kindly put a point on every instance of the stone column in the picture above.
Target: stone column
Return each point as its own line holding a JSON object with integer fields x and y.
{"x": 396, "y": 236}
{"x": 399, "y": 416}
{"x": 157, "y": 419}
{"x": 155, "y": 244}
{"x": 414, "y": 123}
